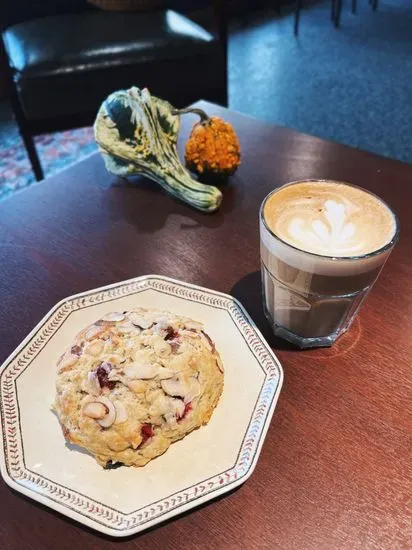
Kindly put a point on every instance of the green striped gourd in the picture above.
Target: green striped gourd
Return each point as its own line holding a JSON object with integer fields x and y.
{"x": 137, "y": 134}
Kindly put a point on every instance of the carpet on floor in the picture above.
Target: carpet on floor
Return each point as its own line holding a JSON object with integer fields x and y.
{"x": 56, "y": 151}
{"x": 351, "y": 85}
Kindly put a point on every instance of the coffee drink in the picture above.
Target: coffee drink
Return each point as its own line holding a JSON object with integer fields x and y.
{"x": 323, "y": 244}
{"x": 329, "y": 219}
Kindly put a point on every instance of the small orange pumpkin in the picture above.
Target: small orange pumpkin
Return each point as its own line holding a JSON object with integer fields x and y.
{"x": 212, "y": 150}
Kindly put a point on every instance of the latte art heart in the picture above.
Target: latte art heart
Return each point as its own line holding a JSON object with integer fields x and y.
{"x": 329, "y": 219}
{"x": 330, "y": 230}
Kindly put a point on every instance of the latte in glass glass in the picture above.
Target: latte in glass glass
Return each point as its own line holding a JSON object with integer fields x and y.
{"x": 323, "y": 244}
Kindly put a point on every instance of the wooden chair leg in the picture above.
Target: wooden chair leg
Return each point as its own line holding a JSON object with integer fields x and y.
{"x": 26, "y": 135}
{"x": 33, "y": 155}
{"x": 20, "y": 117}
{"x": 297, "y": 16}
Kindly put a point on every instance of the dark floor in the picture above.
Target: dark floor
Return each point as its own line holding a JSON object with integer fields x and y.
{"x": 352, "y": 85}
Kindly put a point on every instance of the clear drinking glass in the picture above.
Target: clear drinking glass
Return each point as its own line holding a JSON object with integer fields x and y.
{"x": 311, "y": 299}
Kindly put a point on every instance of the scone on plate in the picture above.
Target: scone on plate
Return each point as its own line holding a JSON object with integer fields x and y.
{"x": 134, "y": 382}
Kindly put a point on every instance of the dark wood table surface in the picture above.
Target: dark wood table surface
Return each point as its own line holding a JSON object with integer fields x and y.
{"x": 335, "y": 470}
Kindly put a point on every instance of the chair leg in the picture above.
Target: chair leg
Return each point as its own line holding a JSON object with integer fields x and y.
{"x": 297, "y": 16}
{"x": 244, "y": 11}
{"x": 332, "y": 10}
{"x": 221, "y": 24}
{"x": 374, "y": 5}
{"x": 223, "y": 93}
{"x": 26, "y": 136}
{"x": 353, "y": 6}
{"x": 32, "y": 153}
{"x": 338, "y": 10}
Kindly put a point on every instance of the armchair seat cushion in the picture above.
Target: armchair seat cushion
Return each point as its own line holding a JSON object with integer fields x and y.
{"x": 94, "y": 40}
{"x": 61, "y": 61}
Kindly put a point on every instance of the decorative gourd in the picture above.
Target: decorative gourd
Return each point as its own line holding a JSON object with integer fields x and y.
{"x": 137, "y": 133}
{"x": 213, "y": 150}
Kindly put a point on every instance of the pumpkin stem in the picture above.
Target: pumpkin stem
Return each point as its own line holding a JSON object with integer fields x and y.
{"x": 203, "y": 116}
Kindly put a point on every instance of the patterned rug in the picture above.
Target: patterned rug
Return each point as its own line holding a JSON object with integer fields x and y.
{"x": 56, "y": 151}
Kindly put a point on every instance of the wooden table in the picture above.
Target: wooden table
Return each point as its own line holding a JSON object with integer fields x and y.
{"x": 335, "y": 470}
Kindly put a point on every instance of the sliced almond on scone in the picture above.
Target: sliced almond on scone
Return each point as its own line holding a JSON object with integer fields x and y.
{"x": 193, "y": 325}
{"x": 162, "y": 348}
{"x": 175, "y": 387}
{"x": 140, "y": 320}
{"x": 127, "y": 328}
{"x": 95, "y": 348}
{"x": 194, "y": 390}
{"x": 67, "y": 362}
{"x": 94, "y": 332}
{"x": 137, "y": 386}
{"x": 121, "y": 413}
{"x": 100, "y": 409}
{"x": 92, "y": 385}
{"x": 164, "y": 373}
{"x": 141, "y": 371}
{"x": 110, "y": 416}
{"x": 95, "y": 410}
{"x": 113, "y": 317}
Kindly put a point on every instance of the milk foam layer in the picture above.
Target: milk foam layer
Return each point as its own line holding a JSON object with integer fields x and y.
{"x": 329, "y": 219}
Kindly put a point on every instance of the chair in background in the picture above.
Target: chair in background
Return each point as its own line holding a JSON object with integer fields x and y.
{"x": 373, "y": 3}
{"x": 336, "y": 6}
{"x": 336, "y": 10}
{"x": 65, "y": 56}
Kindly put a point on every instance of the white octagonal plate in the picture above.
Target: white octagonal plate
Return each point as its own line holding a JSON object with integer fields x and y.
{"x": 210, "y": 461}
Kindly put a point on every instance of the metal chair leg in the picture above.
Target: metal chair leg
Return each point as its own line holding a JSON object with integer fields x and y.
{"x": 297, "y": 16}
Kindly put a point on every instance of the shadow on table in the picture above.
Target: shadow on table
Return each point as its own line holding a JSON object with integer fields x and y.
{"x": 149, "y": 214}
{"x": 248, "y": 291}
{"x": 136, "y": 536}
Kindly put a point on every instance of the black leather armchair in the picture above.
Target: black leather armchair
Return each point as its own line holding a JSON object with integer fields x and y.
{"x": 65, "y": 57}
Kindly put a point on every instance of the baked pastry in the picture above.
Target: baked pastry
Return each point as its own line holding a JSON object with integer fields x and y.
{"x": 135, "y": 382}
